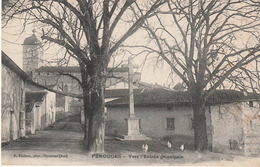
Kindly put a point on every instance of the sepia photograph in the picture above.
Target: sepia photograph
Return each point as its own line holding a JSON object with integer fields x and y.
{"x": 130, "y": 82}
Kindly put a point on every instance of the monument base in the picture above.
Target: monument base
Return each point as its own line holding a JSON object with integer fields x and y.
{"x": 133, "y": 130}
{"x": 134, "y": 137}
{"x": 22, "y": 132}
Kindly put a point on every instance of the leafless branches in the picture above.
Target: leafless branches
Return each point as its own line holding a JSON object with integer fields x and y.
{"x": 207, "y": 43}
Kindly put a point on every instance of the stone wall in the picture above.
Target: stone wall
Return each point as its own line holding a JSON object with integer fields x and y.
{"x": 65, "y": 83}
{"x": 51, "y": 107}
{"x": 251, "y": 124}
{"x": 227, "y": 128}
{"x": 152, "y": 120}
{"x": 38, "y": 114}
{"x": 47, "y": 110}
{"x": 32, "y": 57}
{"x": 69, "y": 84}
{"x": 13, "y": 105}
{"x": 236, "y": 128}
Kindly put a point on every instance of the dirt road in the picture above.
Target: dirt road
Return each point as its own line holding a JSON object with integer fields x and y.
{"x": 61, "y": 144}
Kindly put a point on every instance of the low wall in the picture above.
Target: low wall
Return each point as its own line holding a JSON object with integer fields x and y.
{"x": 252, "y": 144}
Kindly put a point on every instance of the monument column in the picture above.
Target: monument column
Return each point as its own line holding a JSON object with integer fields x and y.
{"x": 133, "y": 129}
{"x": 130, "y": 87}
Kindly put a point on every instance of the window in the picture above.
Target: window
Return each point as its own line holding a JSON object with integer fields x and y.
{"x": 251, "y": 104}
{"x": 21, "y": 95}
{"x": 192, "y": 123}
{"x": 21, "y": 120}
{"x": 30, "y": 53}
{"x": 66, "y": 88}
{"x": 169, "y": 106}
{"x": 233, "y": 144}
{"x": 170, "y": 123}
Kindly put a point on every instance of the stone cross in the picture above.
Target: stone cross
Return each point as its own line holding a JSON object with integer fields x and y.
{"x": 130, "y": 86}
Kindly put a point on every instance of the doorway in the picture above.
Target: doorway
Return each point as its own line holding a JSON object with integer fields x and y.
{"x": 12, "y": 125}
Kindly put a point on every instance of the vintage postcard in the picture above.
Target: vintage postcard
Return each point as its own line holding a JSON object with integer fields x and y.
{"x": 130, "y": 83}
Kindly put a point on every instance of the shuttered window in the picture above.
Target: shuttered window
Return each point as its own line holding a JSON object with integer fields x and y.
{"x": 170, "y": 123}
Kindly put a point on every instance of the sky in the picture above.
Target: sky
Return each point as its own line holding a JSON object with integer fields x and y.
{"x": 13, "y": 36}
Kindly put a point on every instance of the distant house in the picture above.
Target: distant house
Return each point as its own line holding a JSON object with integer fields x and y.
{"x": 40, "y": 109}
{"x": 33, "y": 110}
{"x": 44, "y": 100}
{"x": 233, "y": 119}
{"x": 26, "y": 105}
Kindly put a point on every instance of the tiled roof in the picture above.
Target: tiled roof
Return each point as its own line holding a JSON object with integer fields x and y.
{"x": 14, "y": 67}
{"x": 34, "y": 96}
{"x": 74, "y": 69}
{"x": 113, "y": 93}
{"x": 120, "y": 69}
{"x": 154, "y": 86}
{"x": 163, "y": 96}
{"x": 229, "y": 96}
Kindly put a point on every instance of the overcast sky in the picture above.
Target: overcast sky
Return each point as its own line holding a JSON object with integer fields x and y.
{"x": 13, "y": 36}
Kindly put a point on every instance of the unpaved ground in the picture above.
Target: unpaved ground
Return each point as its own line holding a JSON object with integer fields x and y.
{"x": 61, "y": 144}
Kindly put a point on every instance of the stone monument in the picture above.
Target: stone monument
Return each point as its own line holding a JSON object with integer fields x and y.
{"x": 132, "y": 122}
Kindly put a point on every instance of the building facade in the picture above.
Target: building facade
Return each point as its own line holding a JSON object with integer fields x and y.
{"x": 26, "y": 105}
{"x": 232, "y": 119}
{"x": 32, "y": 54}
{"x": 13, "y": 100}
{"x": 58, "y": 77}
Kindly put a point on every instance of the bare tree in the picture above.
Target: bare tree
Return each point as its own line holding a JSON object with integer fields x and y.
{"x": 87, "y": 29}
{"x": 208, "y": 44}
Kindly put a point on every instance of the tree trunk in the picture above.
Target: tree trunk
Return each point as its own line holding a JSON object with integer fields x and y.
{"x": 86, "y": 115}
{"x": 86, "y": 100}
{"x": 96, "y": 115}
{"x": 200, "y": 127}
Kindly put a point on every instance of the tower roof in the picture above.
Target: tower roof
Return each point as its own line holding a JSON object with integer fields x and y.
{"x": 32, "y": 40}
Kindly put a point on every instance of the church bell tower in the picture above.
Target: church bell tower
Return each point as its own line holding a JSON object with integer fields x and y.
{"x": 32, "y": 54}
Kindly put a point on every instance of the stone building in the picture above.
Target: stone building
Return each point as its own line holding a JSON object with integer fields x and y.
{"x": 56, "y": 76}
{"x": 232, "y": 119}
{"x": 40, "y": 109}
{"x": 26, "y": 105}
{"x": 32, "y": 54}
{"x": 13, "y": 100}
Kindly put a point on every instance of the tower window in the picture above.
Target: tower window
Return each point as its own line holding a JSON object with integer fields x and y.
{"x": 66, "y": 88}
